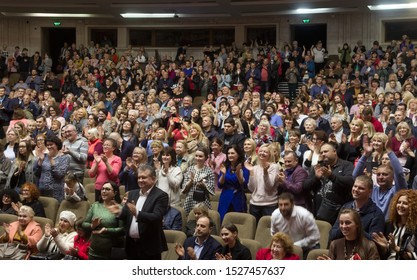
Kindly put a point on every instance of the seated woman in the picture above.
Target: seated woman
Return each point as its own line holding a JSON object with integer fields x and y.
{"x": 8, "y": 198}
{"x": 281, "y": 248}
{"x": 399, "y": 241}
{"x": 127, "y": 132}
{"x": 354, "y": 245}
{"x": 24, "y": 231}
{"x": 200, "y": 209}
{"x": 30, "y": 194}
{"x": 262, "y": 135}
{"x": 73, "y": 190}
{"x": 59, "y": 240}
{"x": 233, "y": 250}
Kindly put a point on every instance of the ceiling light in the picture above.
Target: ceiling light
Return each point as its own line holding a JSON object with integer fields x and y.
{"x": 314, "y": 11}
{"x": 393, "y": 7}
{"x": 147, "y": 15}
{"x": 53, "y": 15}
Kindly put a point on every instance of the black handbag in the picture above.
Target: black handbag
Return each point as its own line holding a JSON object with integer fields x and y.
{"x": 199, "y": 195}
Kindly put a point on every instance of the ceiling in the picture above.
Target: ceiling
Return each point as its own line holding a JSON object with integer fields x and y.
{"x": 182, "y": 8}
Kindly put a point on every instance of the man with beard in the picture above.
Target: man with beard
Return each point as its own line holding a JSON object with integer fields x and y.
{"x": 295, "y": 221}
{"x": 331, "y": 182}
{"x": 201, "y": 246}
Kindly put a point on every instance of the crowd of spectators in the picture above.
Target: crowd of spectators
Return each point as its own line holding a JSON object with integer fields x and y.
{"x": 219, "y": 123}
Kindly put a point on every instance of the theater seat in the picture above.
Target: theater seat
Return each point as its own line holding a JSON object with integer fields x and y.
{"x": 173, "y": 237}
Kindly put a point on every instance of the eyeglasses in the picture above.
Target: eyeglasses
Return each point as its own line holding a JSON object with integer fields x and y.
{"x": 106, "y": 189}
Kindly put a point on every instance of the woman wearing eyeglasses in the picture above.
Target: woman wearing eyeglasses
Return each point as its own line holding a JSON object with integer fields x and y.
{"x": 107, "y": 230}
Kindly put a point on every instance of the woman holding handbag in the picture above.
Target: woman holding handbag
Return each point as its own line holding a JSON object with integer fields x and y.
{"x": 21, "y": 236}
{"x": 198, "y": 182}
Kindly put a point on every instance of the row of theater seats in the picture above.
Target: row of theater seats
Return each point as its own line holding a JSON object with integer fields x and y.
{"x": 251, "y": 235}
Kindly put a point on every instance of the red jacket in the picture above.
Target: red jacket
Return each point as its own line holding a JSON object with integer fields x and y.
{"x": 265, "y": 254}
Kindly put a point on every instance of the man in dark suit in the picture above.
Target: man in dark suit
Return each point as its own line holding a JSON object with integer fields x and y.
{"x": 201, "y": 246}
{"x": 142, "y": 215}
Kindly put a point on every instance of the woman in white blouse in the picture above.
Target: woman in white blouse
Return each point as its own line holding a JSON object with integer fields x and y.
{"x": 169, "y": 176}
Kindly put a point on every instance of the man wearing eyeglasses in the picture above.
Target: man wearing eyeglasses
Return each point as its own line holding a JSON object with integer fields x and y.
{"x": 77, "y": 147}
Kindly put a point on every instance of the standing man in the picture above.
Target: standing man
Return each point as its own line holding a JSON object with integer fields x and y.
{"x": 331, "y": 181}
{"x": 292, "y": 179}
{"x": 76, "y": 147}
{"x": 291, "y": 75}
{"x": 142, "y": 215}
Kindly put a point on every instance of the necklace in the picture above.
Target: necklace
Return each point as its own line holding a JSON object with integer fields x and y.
{"x": 345, "y": 249}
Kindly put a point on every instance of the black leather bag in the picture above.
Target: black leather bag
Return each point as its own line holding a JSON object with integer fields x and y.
{"x": 199, "y": 195}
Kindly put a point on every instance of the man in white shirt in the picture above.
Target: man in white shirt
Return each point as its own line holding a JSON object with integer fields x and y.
{"x": 297, "y": 222}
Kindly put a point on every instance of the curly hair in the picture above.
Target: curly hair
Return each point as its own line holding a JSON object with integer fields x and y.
{"x": 394, "y": 218}
{"x": 285, "y": 241}
{"x": 33, "y": 190}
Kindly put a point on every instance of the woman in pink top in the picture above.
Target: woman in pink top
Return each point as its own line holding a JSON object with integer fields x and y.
{"x": 216, "y": 159}
{"x": 106, "y": 167}
{"x": 262, "y": 183}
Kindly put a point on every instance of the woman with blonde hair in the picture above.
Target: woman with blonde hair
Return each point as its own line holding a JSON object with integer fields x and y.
{"x": 95, "y": 145}
{"x": 281, "y": 248}
{"x": 412, "y": 110}
{"x": 261, "y": 183}
{"x": 369, "y": 129}
{"x": 399, "y": 240}
{"x": 351, "y": 150}
{"x": 403, "y": 142}
{"x": 263, "y": 135}
{"x": 249, "y": 148}
{"x": 24, "y": 231}
{"x": 195, "y": 137}
{"x": 79, "y": 119}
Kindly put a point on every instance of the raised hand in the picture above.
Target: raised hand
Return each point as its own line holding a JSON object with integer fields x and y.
{"x": 179, "y": 249}
{"x": 248, "y": 166}
{"x": 104, "y": 158}
{"x": 48, "y": 230}
{"x": 380, "y": 240}
{"x": 223, "y": 168}
{"x": 132, "y": 208}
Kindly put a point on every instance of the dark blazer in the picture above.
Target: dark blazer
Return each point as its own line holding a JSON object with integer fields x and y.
{"x": 211, "y": 247}
{"x": 152, "y": 240}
